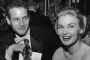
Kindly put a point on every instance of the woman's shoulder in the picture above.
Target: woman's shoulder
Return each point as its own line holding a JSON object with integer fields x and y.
{"x": 86, "y": 50}
{"x": 85, "y": 46}
{"x": 86, "y": 55}
{"x": 58, "y": 54}
{"x": 59, "y": 50}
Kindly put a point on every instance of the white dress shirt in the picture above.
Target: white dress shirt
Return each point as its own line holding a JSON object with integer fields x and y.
{"x": 19, "y": 40}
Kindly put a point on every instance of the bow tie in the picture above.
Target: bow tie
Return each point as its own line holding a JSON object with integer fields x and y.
{"x": 19, "y": 39}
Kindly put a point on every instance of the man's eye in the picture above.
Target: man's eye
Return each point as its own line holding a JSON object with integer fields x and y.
{"x": 16, "y": 19}
{"x": 25, "y": 18}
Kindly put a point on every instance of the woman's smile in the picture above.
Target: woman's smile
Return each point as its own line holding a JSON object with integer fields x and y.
{"x": 66, "y": 38}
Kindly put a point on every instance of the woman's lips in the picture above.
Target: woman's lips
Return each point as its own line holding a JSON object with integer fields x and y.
{"x": 66, "y": 38}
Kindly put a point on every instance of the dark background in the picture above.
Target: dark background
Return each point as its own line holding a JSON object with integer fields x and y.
{"x": 83, "y": 6}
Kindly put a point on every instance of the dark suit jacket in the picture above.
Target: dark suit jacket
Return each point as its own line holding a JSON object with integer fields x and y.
{"x": 43, "y": 40}
{"x": 43, "y": 37}
{"x": 37, "y": 19}
{"x": 8, "y": 40}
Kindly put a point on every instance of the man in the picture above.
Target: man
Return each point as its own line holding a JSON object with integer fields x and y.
{"x": 12, "y": 45}
{"x": 18, "y": 18}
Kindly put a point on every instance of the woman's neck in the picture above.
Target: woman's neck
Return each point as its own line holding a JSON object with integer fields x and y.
{"x": 75, "y": 48}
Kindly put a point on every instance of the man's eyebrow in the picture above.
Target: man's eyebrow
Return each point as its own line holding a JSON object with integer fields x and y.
{"x": 26, "y": 16}
{"x": 15, "y": 18}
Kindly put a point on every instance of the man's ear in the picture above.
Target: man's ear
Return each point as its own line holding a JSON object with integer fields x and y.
{"x": 7, "y": 19}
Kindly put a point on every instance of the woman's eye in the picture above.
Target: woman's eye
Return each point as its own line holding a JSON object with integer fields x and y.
{"x": 60, "y": 27}
{"x": 71, "y": 26}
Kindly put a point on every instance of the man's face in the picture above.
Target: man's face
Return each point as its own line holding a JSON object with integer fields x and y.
{"x": 19, "y": 20}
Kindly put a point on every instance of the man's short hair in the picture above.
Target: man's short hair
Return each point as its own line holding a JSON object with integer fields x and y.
{"x": 14, "y": 3}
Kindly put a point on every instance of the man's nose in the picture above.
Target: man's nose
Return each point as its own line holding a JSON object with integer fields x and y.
{"x": 21, "y": 23}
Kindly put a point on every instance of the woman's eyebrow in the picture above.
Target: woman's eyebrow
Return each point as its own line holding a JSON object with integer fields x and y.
{"x": 72, "y": 24}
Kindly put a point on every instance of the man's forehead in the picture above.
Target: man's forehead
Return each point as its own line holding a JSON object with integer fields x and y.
{"x": 18, "y": 8}
{"x": 18, "y": 12}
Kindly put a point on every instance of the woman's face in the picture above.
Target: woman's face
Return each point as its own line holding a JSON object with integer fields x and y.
{"x": 68, "y": 29}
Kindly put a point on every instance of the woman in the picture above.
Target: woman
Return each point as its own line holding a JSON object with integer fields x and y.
{"x": 70, "y": 26}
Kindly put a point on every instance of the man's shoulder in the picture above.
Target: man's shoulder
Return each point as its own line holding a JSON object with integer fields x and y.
{"x": 36, "y": 14}
{"x": 7, "y": 37}
{"x": 7, "y": 34}
{"x": 2, "y": 51}
{"x": 3, "y": 45}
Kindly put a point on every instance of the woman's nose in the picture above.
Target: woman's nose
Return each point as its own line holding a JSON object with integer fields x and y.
{"x": 65, "y": 31}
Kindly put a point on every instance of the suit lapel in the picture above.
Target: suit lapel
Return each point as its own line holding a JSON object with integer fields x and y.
{"x": 36, "y": 41}
{"x": 35, "y": 45}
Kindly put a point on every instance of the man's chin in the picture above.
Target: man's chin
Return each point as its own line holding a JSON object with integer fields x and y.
{"x": 21, "y": 34}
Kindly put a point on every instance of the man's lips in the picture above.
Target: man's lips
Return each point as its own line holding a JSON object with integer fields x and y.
{"x": 22, "y": 28}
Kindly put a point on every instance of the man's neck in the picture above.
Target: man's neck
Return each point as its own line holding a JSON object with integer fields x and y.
{"x": 27, "y": 33}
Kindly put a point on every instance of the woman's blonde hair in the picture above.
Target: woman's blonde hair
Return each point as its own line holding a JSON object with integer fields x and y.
{"x": 74, "y": 12}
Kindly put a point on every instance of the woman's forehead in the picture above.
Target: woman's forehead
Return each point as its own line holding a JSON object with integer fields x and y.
{"x": 67, "y": 19}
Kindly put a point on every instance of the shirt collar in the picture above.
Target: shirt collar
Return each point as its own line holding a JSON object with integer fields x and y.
{"x": 18, "y": 38}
